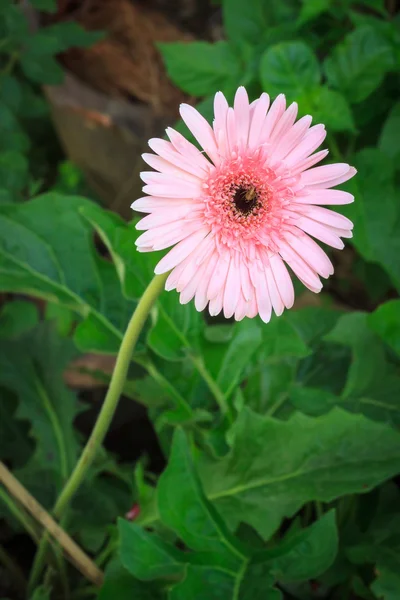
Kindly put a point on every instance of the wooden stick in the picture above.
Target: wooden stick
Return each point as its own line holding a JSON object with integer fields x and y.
{"x": 75, "y": 554}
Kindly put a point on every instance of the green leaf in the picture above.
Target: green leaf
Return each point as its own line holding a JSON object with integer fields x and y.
{"x": 311, "y": 9}
{"x": 328, "y": 107}
{"x": 146, "y": 556}
{"x": 281, "y": 339}
{"x": 17, "y": 317}
{"x": 120, "y": 585}
{"x": 41, "y": 69}
{"x": 389, "y": 140}
{"x": 15, "y": 444}
{"x": 304, "y": 555}
{"x": 385, "y": 321}
{"x": 189, "y": 513}
{"x": 261, "y": 481}
{"x": 358, "y": 65}
{"x": 13, "y": 171}
{"x": 368, "y": 356}
{"x": 376, "y": 223}
{"x": 244, "y": 22}
{"x": 204, "y": 583}
{"x": 37, "y": 257}
{"x": 176, "y": 327}
{"x": 387, "y": 585}
{"x": 239, "y": 353}
{"x": 41, "y": 593}
{"x": 201, "y": 68}
{"x": 290, "y": 68}
{"x": 10, "y": 92}
{"x": 32, "y": 368}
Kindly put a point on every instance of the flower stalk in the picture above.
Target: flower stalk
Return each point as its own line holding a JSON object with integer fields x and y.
{"x": 105, "y": 417}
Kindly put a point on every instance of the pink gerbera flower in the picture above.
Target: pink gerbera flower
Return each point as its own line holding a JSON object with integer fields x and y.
{"x": 240, "y": 210}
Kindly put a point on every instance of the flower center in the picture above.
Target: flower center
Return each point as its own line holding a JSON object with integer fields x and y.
{"x": 245, "y": 200}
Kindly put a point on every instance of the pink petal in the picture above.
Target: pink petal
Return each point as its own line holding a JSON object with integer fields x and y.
{"x": 218, "y": 278}
{"x": 319, "y": 231}
{"x": 164, "y": 166}
{"x": 201, "y": 131}
{"x": 307, "y": 275}
{"x": 257, "y": 120}
{"x": 180, "y": 251}
{"x": 274, "y": 294}
{"x": 285, "y": 123}
{"x": 311, "y": 141}
{"x": 242, "y": 116}
{"x": 328, "y": 175}
{"x": 316, "y": 196}
{"x": 326, "y": 216}
{"x": 187, "y": 149}
{"x": 274, "y": 114}
{"x": 311, "y": 253}
{"x": 291, "y": 138}
{"x": 282, "y": 280}
{"x": 263, "y": 299}
{"x": 232, "y": 290}
{"x": 309, "y": 162}
{"x": 215, "y": 305}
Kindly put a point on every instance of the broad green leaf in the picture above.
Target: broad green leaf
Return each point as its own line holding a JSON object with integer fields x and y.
{"x": 290, "y": 68}
{"x": 120, "y": 585}
{"x": 32, "y": 367}
{"x": 368, "y": 355}
{"x": 38, "y": 258}
{"x": 17, "y": 317}
{"x": 201, "y": 68}
{"x": 275, "y": 467}
{"x": 358, "y": 65}
{"x": 312, "y": 323}
{"x": 15, "y": 444}
{"x": 376, "y": 223}
{"x": 389, "y": 140}
{"x": 146, "y": 556}
{"x": 304, "y": 555}
{"x": 13, "y": 171}
{"x": 189, "y": 513}
{"x": 311, "y": 9}
{"x": 10, "y": 93}
{"x": 245, "y": 22}
{"x": 42, "y": 592}
{"x": 387, "y": 585}
{"x": 176, "y": 327}
{"x": 385, "y": 321}
{"x": 328, "y": 107}
{"x": 282, "y": 339}
{"x": 205, "y": 583}
{"x": 239, "y": 353}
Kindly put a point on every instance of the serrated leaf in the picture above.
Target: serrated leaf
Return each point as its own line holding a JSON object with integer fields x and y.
{"x": 147, "y": 556}
{"x": 290, "y": 68}
{"x": 304, "y": 555}
{"x": 201, "y": 68}
{"x": 358, "y": 65}
{"x": 38, "y": 258}
{"x": 385, "y": 321}
{"x": 266, "y": 478}
{"x": 189, "y": 513}
{"x": 120, "y": 585}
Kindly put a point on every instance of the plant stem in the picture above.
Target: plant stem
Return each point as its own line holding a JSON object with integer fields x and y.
{"x": 106, "y": 414}
{"x": 213, "y": 386}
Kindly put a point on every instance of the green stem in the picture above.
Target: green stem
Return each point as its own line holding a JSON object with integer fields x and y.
{"x": 106, "y": 414}
{"x": 334, "y": 148}
{"x": 213, "y": 386}
{"x": 20, "y": 515}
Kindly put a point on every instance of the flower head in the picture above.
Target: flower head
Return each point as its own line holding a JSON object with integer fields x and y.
{"x": 240, "y": 210}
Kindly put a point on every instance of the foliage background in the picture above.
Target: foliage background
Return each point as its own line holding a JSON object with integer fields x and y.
{"x": 294, "y": 493}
